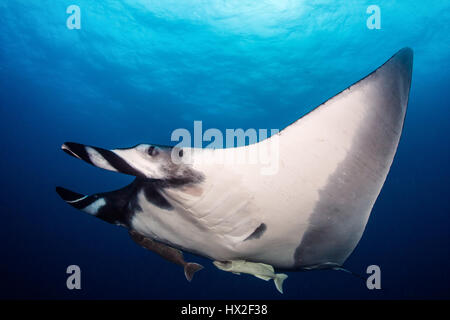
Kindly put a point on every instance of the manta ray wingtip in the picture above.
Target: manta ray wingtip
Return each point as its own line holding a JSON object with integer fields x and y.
{"x": 406, "y": 50}
{"x": 406, "y": 54}
{"x": 404, "y": 58}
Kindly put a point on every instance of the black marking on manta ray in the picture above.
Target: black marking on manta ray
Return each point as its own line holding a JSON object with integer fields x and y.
{"x": 153, "y": 196}
{"x": 120, "y": 205}
{"x": 258, "y": 232}
{"x": 75, "y": 199}
{"x": 180, "y": 176}
{"x": 68, "y": 195}
{"x": 118, "y": 163}
{"x": 123, "y": 204}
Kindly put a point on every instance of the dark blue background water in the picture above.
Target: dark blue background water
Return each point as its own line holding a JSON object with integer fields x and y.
{"x": 139, "y": 69}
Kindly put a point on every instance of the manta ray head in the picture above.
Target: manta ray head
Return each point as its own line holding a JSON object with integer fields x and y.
{"x": 156, "y": 162}
{"x": 155, "y": 168}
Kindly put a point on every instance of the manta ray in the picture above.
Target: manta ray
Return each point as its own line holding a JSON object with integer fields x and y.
{"x": 309, "y": 215}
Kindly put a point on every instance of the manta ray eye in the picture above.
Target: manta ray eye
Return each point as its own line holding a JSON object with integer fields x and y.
{"x": 152, "y": 151}
{"x": 180, "y": 153}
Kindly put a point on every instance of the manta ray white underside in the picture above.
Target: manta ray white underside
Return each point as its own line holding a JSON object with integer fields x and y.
{"x": 310, "y": 214}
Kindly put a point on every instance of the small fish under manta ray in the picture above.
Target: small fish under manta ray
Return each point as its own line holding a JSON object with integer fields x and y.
{"x": 310, "y": 215}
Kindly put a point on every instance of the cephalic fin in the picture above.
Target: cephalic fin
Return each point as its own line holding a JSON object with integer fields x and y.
{"x": 108, "y": 206}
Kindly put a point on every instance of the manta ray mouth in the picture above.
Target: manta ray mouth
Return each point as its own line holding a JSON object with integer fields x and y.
{"x": 117, "y": 206}
{"x": 114, "y": 206}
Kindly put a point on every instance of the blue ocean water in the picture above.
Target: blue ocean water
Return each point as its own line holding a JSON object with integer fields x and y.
{"x": 138, "y": 69}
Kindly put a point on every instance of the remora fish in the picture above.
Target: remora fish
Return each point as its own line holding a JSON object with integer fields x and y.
{"x": 259, "y": 270}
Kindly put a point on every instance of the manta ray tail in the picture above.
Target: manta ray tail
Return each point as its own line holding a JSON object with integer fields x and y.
{"x": 349, "y": 272}
{"x": 190, "y": 269}
{"x": 279, "y": 279}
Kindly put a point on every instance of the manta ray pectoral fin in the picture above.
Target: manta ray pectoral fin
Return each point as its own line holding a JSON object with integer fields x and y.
{"x": 351, "y": 140}
{"x": 166, "y": 252}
